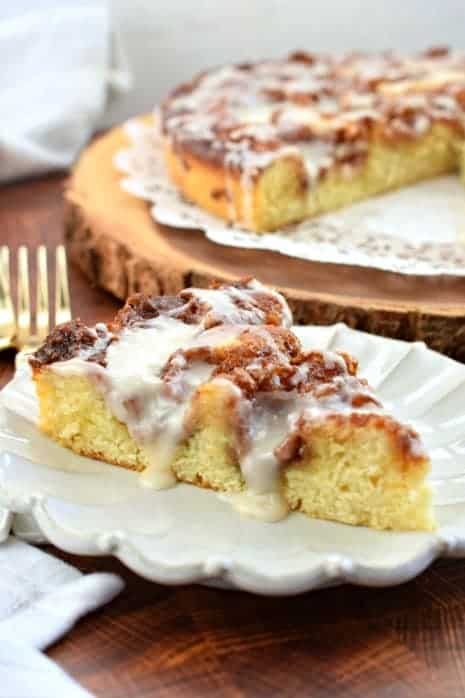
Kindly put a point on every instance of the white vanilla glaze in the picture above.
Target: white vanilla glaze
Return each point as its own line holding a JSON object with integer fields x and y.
{"x": 154, "y": 407}
{"x": 317, "y": 156}
{"x": 135, "y": 393}
{"x": 237, "y": 306}
{"x": 133, "y": 389}
{"x": 132, "y": 384}
{"x": 273, "y": 418}
{"x": 266, "y": 506}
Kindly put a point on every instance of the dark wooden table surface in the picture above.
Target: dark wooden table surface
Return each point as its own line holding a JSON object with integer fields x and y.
{"x": 198, "y": 642}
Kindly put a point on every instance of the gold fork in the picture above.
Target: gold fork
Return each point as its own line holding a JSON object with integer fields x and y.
{"x": 7, "y": 315}
{"x": 16, "y": 329}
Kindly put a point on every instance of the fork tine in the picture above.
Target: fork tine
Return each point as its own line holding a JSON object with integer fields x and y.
{"x": 7, "y": 315}
{"x": 42, "y": 309}
{"x": 62, "y": 301}
{"x": 23, "y": 318}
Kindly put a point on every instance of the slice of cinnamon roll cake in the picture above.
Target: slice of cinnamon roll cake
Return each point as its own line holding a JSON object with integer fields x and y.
{"x": 213, "y": 388}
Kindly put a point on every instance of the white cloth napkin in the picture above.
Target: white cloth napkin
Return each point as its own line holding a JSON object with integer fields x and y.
{"x": 41, "y": 598}
{"x": 60, "y": 63}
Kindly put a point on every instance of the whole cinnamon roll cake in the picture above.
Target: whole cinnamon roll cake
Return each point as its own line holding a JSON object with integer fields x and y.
{"x": 271, "y": 143}
{"x": 213, "y": 388}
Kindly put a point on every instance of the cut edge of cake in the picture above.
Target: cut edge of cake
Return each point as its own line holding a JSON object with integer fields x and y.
{"x": 278, "y": 195}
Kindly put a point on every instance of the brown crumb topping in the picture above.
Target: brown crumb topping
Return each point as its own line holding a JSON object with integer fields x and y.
{"x": 245, "y": 302}
{"x": 139, "y": 308}
{"x": 405, "y": 439}
{"x": 269, "y": 359}
{"x": 343, "y": 99}
{"x": 72, "y": 339}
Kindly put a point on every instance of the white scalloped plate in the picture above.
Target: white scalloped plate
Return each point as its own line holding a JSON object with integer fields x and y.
{"x": 187, "y": 534}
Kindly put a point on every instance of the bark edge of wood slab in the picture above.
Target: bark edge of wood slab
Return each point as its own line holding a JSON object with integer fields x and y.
{"x": 112, "y": 237}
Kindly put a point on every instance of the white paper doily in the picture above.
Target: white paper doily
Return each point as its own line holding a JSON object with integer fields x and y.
{"x": 187, "y": 534}
{"x": 418, "y": 230}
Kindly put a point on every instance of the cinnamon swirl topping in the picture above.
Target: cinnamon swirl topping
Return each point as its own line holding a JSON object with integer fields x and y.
{"x": 245, "y": 116}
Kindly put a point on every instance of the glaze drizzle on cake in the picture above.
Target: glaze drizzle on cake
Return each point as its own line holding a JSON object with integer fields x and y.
{"x": 219, "y": 361}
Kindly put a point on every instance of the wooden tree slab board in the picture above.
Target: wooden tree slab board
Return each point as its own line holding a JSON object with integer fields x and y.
{"x": 114, "y": 240}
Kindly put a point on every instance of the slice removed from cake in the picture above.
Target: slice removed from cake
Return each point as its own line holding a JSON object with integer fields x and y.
{"x": 213, "y": 388}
